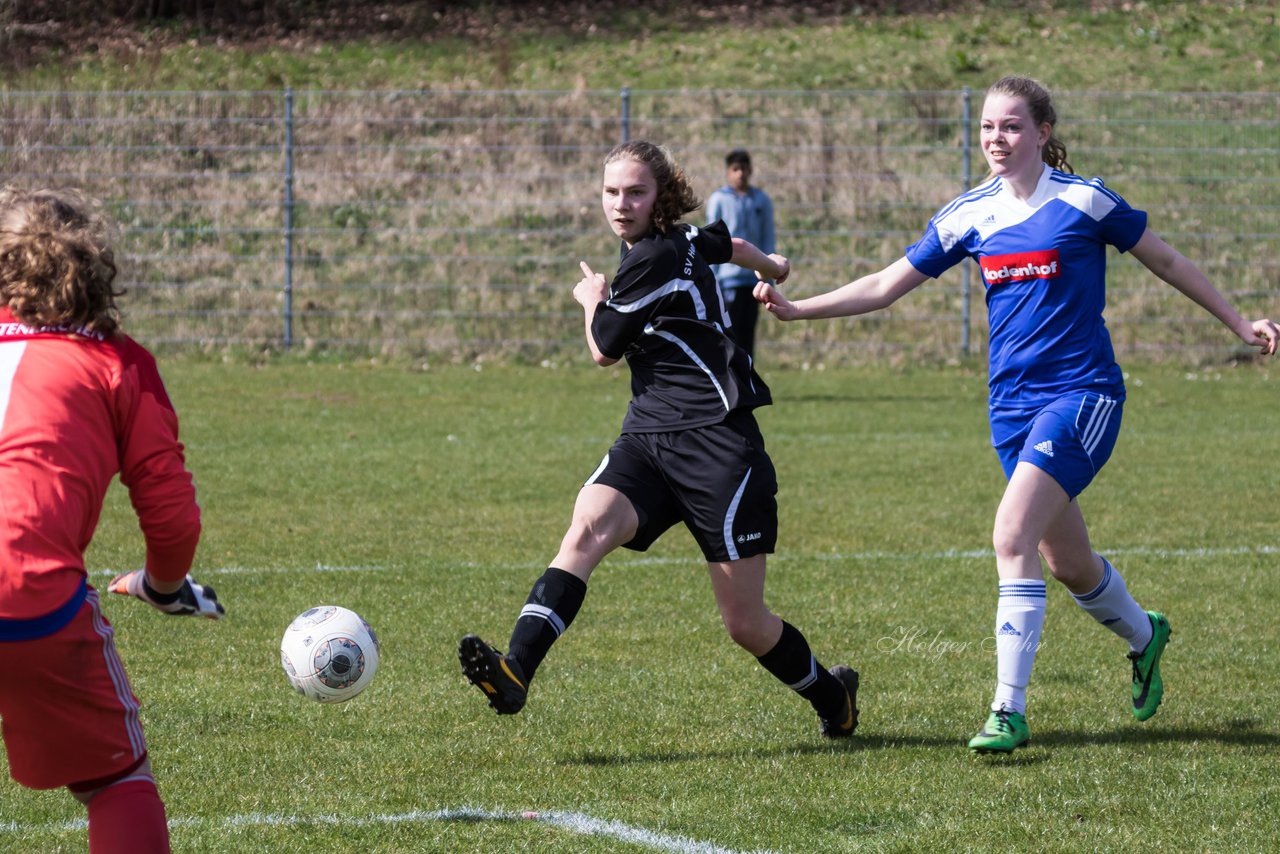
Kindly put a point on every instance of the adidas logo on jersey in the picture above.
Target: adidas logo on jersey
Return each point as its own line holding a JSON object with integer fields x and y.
{"x": 990, "y": 220}
{"x": 1045, "y": 447}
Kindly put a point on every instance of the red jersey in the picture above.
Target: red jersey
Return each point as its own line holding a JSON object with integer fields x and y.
{"x": 76, "y": 408}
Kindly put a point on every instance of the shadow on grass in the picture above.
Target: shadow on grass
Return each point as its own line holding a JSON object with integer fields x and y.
{"x": 852, "y": 745}
{"x": 1242, "y": 733}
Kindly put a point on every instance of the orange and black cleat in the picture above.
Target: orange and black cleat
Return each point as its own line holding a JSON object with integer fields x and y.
{"x": 847, "y": 721}
{"x": 497, "y": 675}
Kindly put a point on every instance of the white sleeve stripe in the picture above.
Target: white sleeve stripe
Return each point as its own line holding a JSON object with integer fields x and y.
{"x": 671, "y": 287}
{"x": 1094, "y": 184}
{"x": 981, "y": 191}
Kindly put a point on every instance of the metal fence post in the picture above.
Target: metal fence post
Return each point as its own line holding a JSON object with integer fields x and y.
{"x": 626, "y": 114}
{"x": 288, "y": 218}
{"x": 966, "y": 122}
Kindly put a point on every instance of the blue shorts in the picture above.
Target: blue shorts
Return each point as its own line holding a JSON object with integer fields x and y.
{"x": 1070, "y": 438}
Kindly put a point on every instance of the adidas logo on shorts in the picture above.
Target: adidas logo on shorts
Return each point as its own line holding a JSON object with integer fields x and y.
{"x": 1045, "y": 447}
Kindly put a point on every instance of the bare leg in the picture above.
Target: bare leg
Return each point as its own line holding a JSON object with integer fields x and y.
{"x": 1032, "y": 503}
{"x": 1070, "y": 555}
{"x": 780, "y": 647}
{"x": 603, "y": 519}
{"x": 739, "y": 590}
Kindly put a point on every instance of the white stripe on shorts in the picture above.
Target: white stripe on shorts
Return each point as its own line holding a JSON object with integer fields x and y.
{"x": 118, "y": 678}
{"x": 599, "y": 470}
{"x": 1097, "y": 426}
{"x": 729, "y": 545}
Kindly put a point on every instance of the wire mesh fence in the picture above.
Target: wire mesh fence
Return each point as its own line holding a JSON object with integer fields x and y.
{"x": 451, "y": 223}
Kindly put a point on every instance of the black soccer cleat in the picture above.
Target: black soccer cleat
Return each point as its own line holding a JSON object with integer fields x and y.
{"x": 847, "y": 722}
{"x": 497, "y": 675}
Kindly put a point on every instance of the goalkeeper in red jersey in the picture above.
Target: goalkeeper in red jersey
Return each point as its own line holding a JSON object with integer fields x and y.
{"x": 80, "y": 401}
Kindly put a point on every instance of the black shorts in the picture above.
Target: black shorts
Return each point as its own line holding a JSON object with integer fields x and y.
{"x": 718, "y": 480}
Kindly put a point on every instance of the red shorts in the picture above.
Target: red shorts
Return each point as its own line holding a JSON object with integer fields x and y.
{"x": 67, "y": 710}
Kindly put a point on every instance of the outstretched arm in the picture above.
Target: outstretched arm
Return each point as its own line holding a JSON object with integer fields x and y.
{"x": 870, "y": 293}
{"x": 1171, "y": 266}
{"x": 590, "y": 291}
{"x": 766, "y": 266}
{"x": 185, "y": 598}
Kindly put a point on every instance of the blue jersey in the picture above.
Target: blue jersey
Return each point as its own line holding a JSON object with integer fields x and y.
{"x": 1043, "y": 263}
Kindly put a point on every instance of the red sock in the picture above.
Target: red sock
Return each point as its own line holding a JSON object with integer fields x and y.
{"x": 128, "y": 818}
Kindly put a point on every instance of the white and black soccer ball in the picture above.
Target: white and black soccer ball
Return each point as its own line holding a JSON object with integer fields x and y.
{"x": 329, "y": 653}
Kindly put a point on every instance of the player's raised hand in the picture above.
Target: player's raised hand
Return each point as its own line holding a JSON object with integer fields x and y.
{"x": 190, "y": 600}
{"x": 1265, "y": 335}
{"x": 774, "y": 302}
{"x": 591, "y": 289}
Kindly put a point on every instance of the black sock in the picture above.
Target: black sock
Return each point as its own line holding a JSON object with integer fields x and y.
{"x": 550, "y": 608}
{"x": 793, "y": 664}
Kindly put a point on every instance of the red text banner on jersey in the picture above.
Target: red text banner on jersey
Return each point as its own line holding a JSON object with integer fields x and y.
{"x": 1020, "y": 267}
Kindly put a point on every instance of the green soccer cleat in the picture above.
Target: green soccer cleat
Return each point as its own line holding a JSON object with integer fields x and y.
{"x": 1148, "y": 688}
{"x": 1004, "y": 730}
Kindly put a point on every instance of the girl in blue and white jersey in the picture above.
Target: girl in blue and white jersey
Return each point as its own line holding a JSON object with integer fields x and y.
{"x": 1040, "y": 234}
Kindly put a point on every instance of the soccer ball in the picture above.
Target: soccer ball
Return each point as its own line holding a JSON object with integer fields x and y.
{"x": 329, "y": 653}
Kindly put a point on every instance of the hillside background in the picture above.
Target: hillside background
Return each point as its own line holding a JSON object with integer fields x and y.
{"x": 419, "y": 177}
{"x": 912, "y": 44}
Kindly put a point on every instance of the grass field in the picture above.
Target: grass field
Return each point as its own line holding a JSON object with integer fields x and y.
{"x": 428, "y": 500}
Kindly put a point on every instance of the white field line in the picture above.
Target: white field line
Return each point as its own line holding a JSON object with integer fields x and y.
{"x": 834, "y": 557}
{"x": 574, "y": 822}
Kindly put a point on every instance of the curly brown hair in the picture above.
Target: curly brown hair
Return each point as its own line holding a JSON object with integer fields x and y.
{"x": 675, "y": 193}
{"x": 56, "y": 266}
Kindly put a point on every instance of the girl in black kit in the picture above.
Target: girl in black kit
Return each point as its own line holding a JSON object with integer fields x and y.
{"x": 690, "y": 450}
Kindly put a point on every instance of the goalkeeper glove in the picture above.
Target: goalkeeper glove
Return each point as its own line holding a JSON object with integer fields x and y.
{"x": 190, "y": 600}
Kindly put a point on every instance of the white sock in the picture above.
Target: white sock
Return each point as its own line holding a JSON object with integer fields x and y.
{"x": 1019, "y": 621}
{"x": 1111, "y": 605}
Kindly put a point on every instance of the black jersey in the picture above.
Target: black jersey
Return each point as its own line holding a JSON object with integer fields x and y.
{"x": 665, "y": 315}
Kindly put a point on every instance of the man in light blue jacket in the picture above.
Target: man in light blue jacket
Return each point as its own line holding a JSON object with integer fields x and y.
{"x": 748, "y": 212}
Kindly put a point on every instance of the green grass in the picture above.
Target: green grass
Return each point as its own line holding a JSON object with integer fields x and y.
{"x": 429, "y": 500}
